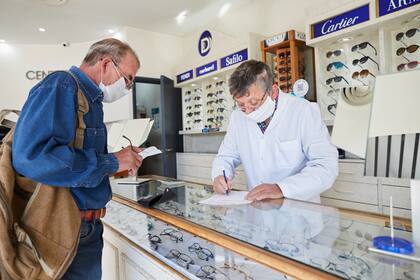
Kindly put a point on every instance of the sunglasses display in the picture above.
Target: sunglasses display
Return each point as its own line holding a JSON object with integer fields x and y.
{"x": 285, "y": 78}
{"x": 363, "y": 60}
{"x": 337, "y": 65}
{"x": 330, "y": 54}
{"x": 336, "y": 79}
{"x": 410, "y": 65}
{"x": 362, "y": 74}
{"x": 363, "y": 46}
{"x": 408, "y": 52}
{"x": 409, "y": 49}
{"x": 409, "y": 33}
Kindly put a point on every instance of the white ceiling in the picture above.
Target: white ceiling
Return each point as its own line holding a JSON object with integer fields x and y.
{"x": 87, "y": 20}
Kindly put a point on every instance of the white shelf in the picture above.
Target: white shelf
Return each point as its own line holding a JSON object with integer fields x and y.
{"x": 187, "y": 132}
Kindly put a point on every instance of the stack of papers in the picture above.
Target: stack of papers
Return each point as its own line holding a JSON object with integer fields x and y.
{"x": 233, "y": 198}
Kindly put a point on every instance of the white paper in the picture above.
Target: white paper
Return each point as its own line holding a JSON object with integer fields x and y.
{"x": 151, "y": 151}
{"x": 233, "y": 198}
{"x": 136, "y": 130}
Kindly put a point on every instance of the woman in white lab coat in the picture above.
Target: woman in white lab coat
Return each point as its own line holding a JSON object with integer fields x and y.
{"x": 279, "y": 139}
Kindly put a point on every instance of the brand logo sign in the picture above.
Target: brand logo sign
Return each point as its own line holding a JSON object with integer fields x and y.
{"x": 385, "y": 7}
{"x": 234, "y": 58}
{"x": 205, "y": 69}
{"x": 340, "y": 22}
{"x": 276, "y": 39}
{"x": 37, "y": 74}
{"x": 184, "y": 76}
{"x": 204, "y": 43}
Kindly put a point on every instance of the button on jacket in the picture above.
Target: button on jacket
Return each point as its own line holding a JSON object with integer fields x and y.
{"x": 47, "y": 126}
{"x": 294, "y": 152}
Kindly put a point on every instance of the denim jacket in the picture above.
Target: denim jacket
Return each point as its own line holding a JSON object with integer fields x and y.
{"x": 47, "y": 126}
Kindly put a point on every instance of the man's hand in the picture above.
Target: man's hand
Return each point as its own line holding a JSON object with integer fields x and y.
{"x": 220, "y": 186}
{"x": 265, "y": 191}
{"x": 128, "y": 159}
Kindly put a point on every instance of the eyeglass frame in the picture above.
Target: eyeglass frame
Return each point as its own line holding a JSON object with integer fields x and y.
{"x": 129, "y": 83}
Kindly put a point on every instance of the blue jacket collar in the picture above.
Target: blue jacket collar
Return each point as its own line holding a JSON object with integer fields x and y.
{"x": 89, "y": 88}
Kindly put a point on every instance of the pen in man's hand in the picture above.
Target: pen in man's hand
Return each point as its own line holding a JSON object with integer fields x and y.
{"x": 224, "y": 175}
{"x": 131, "y": 145}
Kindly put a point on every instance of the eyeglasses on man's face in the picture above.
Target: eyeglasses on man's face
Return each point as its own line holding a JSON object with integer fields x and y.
{"x": 252, "y": 101}
{"x": 129, "y": 80}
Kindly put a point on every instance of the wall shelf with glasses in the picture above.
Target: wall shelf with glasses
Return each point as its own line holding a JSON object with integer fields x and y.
{"x": 291, "y": 60}
{"x": 206, "y": 105}
{"x": 349, "y": 56}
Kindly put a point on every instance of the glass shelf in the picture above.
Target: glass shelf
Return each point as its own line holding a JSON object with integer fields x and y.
{"x": 315, "y": 235}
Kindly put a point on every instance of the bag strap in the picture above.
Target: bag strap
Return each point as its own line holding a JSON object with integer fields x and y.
{"x": 82, "y": 109}
{"x": 5, "y": 112}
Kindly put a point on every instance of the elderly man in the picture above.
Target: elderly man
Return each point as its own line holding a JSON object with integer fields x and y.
{"x": 46, "y": 127}
{"x": 280, "y": 140}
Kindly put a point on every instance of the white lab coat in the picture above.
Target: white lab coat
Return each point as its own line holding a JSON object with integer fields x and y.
{"x": 295, "y": 151}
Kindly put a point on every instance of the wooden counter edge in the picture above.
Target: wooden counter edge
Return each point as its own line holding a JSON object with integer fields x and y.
{"x": 282, "y": 264}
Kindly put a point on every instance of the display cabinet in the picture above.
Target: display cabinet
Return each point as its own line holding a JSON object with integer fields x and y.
{"x": 298, "y": 239}
{"x": 349, "y": 56}
{"x": 291, "y": 60}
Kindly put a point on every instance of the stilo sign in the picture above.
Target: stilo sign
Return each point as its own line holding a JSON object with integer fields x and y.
{"x": 340, "y": 22}
{"x": 386, "y": 7}
{"x": 204, "y": 43}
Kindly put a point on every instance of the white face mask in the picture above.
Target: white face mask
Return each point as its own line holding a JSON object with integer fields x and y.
{"x": 263, "y": 112}
{"x": 114, "y": 91}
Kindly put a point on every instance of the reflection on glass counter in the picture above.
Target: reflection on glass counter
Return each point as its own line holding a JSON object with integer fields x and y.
{"x": 312, "y": 234}
{"x": 190, "y": 255}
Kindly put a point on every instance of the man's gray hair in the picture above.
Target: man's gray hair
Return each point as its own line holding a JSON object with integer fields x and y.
{"x": 248, "y": 73}
{"x": 108, "y": 47}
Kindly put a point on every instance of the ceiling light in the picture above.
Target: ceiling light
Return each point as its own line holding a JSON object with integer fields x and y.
{"x": 223, "y": 10}
{"x": 2, "y": 41}
{"x": 54, "y": 2}
{"x": 215, "y": 78}
{"x": 193, "y": 85}
{"x": 181, "y": 17}
{"x": 111, "y": 31}
{"x": 345, "y": 39}
{"x": 41, "y": 29}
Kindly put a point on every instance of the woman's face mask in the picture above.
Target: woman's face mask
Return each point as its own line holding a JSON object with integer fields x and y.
{"x": 115, "y": 90}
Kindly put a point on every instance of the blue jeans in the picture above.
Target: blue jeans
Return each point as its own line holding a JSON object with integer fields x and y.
{"x": 88, "y": 260}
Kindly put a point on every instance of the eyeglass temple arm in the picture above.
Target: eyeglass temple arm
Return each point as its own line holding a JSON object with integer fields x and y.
{"x": 345, "y": 80}
{"x": 374, "y": 61}
{"x": 362, "y": 81}
{"x": 405, "y": 58}
{"x": 376, "y": 52}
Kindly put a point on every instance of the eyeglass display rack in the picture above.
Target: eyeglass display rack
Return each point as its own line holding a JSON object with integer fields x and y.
{"x": 291, "y": 60}
{"x": 207, "y": 105}
{"x": 351, "y": 58}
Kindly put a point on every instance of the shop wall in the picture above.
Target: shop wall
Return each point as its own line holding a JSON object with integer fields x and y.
{"x": 264, "y": 17}
{"x": 238, "y": 28}
{"x": 17, "y": 59}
